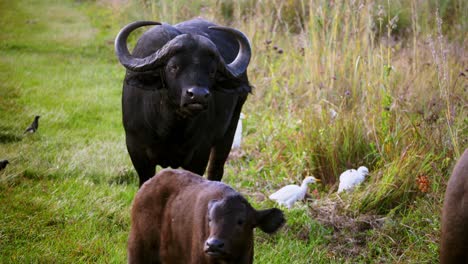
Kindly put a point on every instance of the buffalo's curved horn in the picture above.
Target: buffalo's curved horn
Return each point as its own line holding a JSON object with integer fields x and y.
{"x": 239, "y": 65}
{"x": 121, "y": 50}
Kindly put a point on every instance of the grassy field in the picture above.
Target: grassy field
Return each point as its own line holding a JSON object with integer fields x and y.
{"x": 394, "y": 72}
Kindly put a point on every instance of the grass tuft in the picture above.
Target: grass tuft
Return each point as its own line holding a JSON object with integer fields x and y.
{"x": 338, "y": 84}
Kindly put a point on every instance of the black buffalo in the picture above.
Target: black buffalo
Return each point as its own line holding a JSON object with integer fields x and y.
{"x": 183, "y": 92}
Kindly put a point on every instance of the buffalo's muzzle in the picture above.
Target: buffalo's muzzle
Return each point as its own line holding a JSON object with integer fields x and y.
{"x": 196, "y": 98}
{"x": 198, "y": 94}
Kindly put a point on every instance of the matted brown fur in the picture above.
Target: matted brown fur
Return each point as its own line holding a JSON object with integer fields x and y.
{"x": 454, "y": 238}
{"x": 180, "y": 217}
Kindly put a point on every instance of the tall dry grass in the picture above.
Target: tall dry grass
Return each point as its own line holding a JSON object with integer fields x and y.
{"x": 339, "y": 84}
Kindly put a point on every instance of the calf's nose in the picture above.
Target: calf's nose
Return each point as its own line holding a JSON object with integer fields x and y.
{"x": 214, "y": 244}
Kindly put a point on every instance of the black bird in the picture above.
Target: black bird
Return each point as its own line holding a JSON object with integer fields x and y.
{"x": 3, "y": 164}
{"x": 34, "y": 126}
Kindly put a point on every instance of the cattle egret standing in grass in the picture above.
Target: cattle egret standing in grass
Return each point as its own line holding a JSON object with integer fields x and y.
{"x": 238, "y": 135}
{"x": 351, "y": 178}
{"x": 289, "y": 194}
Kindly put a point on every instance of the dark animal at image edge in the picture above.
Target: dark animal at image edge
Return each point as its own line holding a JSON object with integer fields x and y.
{"x": 34, "y": 126}
{"x": 180, "y": 217}
{"x": 454, "y": 237}
{"x": 3, "y": 164}
{"x": 183, "y": 92}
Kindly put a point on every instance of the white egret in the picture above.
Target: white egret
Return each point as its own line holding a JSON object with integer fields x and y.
{"x": 351, "y": 178}
{"x": 289, "y": 194}
{"x": 238, "y": 135}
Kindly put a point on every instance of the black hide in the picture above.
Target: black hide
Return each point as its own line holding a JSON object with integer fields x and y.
{"x": 184, "y": 111}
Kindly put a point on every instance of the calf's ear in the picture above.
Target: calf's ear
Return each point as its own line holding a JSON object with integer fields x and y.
{"x": 270, "y": 220}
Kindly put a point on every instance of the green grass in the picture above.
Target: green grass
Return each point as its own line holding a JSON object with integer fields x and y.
{"x": 397, "y": 86}
{"x": 62, "y": 195}
{"x": 51, "y": 221}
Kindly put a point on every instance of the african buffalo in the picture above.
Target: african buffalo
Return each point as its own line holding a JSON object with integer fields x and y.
{"x": 180, "y": 217}
{"x": 183, "y": 92}
{"x": 454, "y": 238}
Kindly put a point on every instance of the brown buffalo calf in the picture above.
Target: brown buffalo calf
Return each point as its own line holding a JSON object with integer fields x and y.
{"x": 454, "y": 239}
{"x": 180, "y": 217}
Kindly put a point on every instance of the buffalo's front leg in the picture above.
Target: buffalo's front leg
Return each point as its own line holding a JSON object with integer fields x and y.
{"x": 219, "y": 154}
{"x": 220, "y": 151}
{"x": 198, "y": 162}
{"x": 141, "y": 162}
{"x": 217, "y": 159}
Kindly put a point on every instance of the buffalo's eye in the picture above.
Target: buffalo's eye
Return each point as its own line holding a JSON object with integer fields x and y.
{"x": 212, "y": 72}
{"x": 240, "y": 222}
{"x": 173, "y": 68}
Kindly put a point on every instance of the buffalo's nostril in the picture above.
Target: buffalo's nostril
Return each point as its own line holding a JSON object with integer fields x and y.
{"x": 190, "y": 94}
{"x": 214, "y": 243}
{"x": 198, "y": 93}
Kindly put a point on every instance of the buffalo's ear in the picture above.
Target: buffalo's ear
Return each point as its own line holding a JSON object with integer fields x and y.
{"x": 232, "y": 86}
{"x": 270, "y": 220}
{"x": 150, "y": 80}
